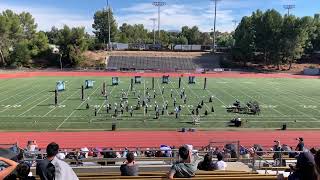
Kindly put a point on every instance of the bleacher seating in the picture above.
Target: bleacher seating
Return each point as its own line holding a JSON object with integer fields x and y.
{"x": 205, "y": 175}
{"x": 161, "y": 63}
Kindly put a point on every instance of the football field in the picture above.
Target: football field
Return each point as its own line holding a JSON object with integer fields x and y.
{"x": 27, "y": 104}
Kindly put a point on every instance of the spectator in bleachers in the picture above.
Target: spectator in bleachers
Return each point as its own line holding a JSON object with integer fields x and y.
{"x": 300, "y": 145}
{"x": 185, "y": 168}
{"x": 129, "y": 168}
{"x": 53, "y": 168}
{"x": 244, "y": 152}
{"x": 206, "y": 164}
{"x": 259, "y": 148}
{"x": 11, "y": 167}
{"x": 149, "y": 153}
{"x": 22, "y": 172}
{"x": 220, "y": 164}
{"x": 305, "y": 168}
{"x": 317, "y": 162}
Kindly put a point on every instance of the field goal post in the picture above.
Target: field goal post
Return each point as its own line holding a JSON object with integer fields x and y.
{"x": 223, "y": 144}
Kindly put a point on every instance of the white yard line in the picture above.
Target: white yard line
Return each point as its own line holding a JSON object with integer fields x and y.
{"x": 26, "y": 99}
{"x": 162, "y": 95}
{"x": 9, "y": 88}
{"x": 105, "y": 100}
{"x": 298, "y": 94}
{"x": 207, "y": 107}
{"x": 291, "y": 107}
{"x": 22, "y": 91}
{"x": 34, "y": 106}
{"x": 293, "y": 98}
{"x": 192, "y": 116}
{"x": 76, "y": 108}
{"x": 217, "y": 98}
{"x": 255, "y": 98}
{"x": 69, "y": 96}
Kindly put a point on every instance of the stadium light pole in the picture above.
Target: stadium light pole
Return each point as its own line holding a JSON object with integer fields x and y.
{"x": 159, "y": 4}
{"x": 154, "y": 32}
{"x": 235, "y": 24}
{"x": 109, "y": 25}
{"x": 289, "y": 7}
{"x": 214, "y": 24}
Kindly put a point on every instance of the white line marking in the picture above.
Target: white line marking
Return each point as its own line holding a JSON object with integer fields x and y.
{"x": 61, "y": 102}
{"x": 75, "y": 110}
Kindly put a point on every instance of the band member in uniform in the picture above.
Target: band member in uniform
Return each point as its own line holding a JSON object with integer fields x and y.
{"x": 131, "y": 111}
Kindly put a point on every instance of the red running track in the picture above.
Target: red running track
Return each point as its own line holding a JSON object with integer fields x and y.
{"x": 154, "y": 74}
{"x": 145, "y": 139}
{"x": 155, "y": 138}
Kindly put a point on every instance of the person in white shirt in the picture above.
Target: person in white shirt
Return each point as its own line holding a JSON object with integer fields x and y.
{"x": 53, "y": 167}
{"x": 220, "y": 164}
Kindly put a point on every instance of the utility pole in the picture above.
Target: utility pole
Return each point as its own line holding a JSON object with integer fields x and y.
{"x": 235, "y": 23}
{"x": 154, "y": 31}
{"x": 289, "y": 7}
{"x": 109, "y": 26}
{"x": 214, "y": 25}
{"x": 159, "y": 4}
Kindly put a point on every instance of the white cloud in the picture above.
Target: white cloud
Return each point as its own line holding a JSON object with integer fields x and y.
{"x": 174, "y": 16}
{"x": 47, "y": 17}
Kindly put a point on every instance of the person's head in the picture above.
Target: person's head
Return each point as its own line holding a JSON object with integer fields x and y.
{"x": 184, "y": 152}
{"x": 130, "y": 157}
{"x": 23, "y": 170}
{"x": 277, "y": 142}
{"x": 219, "y": 157}
{"x": 207, "y": 158}
{"x": 300, "y": 139}
{"x": 52, "y": 149}
{"x": 306, "y": 165}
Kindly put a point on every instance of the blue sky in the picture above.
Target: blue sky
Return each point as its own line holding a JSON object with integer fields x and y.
{"x": 175, "y": 14}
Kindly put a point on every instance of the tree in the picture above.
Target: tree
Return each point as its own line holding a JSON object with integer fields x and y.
{"x": 225, "y": 40}
{"x": 193, "y": 34}
{"x": 38, "y": 44}
{"x": 267, "y": 32}
{"x": 294, "y": 36}
{"x": 72, "y": 42}
{"x": 19, "y": 39}
{"x": 205, "y": 39}
{"x": 21, "y": 54}
{"x": 101, "y": 26}
{"x": 244, "y": 46}
{"x": 28, "y": 25}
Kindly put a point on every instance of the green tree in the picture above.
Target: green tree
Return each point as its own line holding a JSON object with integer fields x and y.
{"x": 294, "y": 36}
{"x": 101, "y": 26}
{"x": 244, "y": 46}
{"x": 192, "y": 34}
{"x": 72, "y": 43}
{"x": 21, "y": 54}
{"x": 225, "y": 40}
{"x": 267, "y": 32}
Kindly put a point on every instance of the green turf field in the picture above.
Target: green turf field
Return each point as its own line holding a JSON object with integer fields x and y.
{"x": 27, "y": 104}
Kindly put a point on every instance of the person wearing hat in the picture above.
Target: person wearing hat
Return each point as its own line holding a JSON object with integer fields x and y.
{"x": 300, "y": 145}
